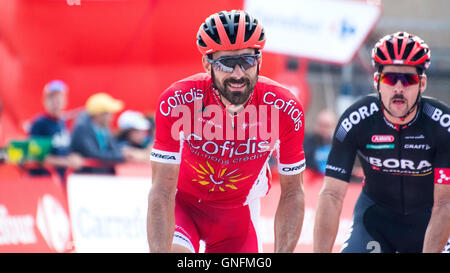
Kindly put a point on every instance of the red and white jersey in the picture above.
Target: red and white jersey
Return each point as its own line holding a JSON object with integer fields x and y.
{"x": 224, "y": 158}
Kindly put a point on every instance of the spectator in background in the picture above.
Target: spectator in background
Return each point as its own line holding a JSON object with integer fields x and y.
{"x": 151, "y": 131}
{"x": 92, "y": 136}
{"x": 51, "y": 125}
{"x": 134, "y": 130}
{"x": 317, "y": 144}
{"x": 134, "y": 134}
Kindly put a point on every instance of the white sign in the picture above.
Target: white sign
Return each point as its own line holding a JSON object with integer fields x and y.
{"x": 323, "y": 30}
{"x": 109, "y": 213}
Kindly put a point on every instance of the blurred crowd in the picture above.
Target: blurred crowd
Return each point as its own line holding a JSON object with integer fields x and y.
{"x": 91, "y": 145}
{"x": 94, "y": 145}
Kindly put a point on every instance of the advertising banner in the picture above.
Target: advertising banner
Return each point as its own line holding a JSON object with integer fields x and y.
{"x": 34, "y": 216}
{"x": 109, "y": 213}
{"x": 324, "y": 30}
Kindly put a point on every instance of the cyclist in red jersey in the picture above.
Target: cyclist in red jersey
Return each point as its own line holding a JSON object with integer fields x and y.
{"x": 215, "y": 133}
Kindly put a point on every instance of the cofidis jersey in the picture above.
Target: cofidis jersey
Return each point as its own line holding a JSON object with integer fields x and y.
{"x": 224, "y": 156}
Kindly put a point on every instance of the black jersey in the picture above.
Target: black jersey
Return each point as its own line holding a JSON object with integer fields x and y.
{"x": 399, "y": 161}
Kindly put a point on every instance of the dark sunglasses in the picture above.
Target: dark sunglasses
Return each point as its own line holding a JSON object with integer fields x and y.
{"x": 406, "y": 79}
{"x": 228, "y": 63}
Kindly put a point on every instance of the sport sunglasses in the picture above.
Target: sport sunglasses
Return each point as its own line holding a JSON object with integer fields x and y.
{"x": 406, "y": 79}
{"x": 228, "y": 63}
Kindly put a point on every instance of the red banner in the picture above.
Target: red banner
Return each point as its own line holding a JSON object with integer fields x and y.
{"x": 34, "y": 216}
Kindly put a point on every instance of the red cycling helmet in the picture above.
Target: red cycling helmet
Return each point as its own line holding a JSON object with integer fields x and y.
{"x": 401, "y": 48}
{"x": 230, "y": 30}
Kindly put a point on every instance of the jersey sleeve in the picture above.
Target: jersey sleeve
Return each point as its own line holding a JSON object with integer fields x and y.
{"x": 441, "y": 160}
{"x": 343, "y": 151}
{"x": 291, "y": 157}
{"x": 166, "y": 148}
{"x": 442, "y": 164}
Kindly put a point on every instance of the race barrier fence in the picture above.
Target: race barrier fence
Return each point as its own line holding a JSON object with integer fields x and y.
{"x": 107, "y": 214}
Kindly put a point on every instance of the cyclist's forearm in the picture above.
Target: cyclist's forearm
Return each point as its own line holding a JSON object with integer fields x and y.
{"x": 288, "y": 221}
{"x": 326, "y": 222}
{"x": 438, "y": 230}
{"x": 160, "y": 221}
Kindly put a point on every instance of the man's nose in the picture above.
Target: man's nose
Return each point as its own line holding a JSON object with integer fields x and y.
{"x": 238, "y": 71}
{"x": 399, "y": 87}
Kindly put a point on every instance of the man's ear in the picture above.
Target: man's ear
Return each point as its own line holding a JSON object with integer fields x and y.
{"x": 376, "y": 78}
{"x": 423, "y": 83}
{"x": 206, "y": 64}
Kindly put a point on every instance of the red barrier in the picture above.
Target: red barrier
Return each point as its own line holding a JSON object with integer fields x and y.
{"x": 34, "y": 216}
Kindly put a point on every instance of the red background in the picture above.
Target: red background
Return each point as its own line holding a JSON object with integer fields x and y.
{"x": 131, "y": 49}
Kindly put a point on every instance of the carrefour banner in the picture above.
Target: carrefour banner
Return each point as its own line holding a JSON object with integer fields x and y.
{"x": 109, "y": 213}
{"x": 34, "y": 216}
{"x": 324, "y": 30}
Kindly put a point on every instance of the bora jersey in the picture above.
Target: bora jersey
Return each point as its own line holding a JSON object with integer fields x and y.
{"x": 224, "y": 157}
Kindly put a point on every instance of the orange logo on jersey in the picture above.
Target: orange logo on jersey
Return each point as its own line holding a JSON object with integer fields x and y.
{"x": 216, "y": 180}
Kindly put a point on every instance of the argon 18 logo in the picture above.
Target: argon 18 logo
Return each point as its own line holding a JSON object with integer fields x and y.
{"x": 382, "y": 138}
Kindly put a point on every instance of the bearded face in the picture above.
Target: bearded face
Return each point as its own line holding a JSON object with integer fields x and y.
{"x": 235, "y": 86}
{"x": 235, "y": 90}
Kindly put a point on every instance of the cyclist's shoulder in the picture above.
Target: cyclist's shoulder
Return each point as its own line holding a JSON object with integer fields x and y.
{"x": 271, "y": 90}
{"x": 363, "y": 107}
{"x": 358, "y": 117}
{"x": 438, "y": 113}
{"x": 184, "y": 92}
{"x": 265, "y": 84}
{"x": 199, "y": 78}
{"x": 197, "y": 83}
{"x": 434, "y": 103}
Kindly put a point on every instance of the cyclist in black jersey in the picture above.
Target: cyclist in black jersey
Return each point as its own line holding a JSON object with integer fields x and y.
{"x": 403, "y": 142}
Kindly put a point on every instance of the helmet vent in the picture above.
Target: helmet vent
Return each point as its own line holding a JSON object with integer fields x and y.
{"x": 418, "y": 55}
{"x": 390, "y": 49}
